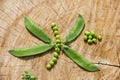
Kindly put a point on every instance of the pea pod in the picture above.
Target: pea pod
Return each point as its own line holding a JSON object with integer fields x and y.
{"x": 36, "y": 31}
{"x": 76, "y": 30}
{"x": 34, "y": 50}
{"x": 79, "y": 60}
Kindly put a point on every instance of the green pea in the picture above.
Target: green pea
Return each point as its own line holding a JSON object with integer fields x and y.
{"x": 55, "y": 54}
{"x": 92, "y": 33}
{"x": 85, "y": 37}
{"x": 99, "y": 37}
{"x": 58, "y": 45}
{"x": 87, "y": 33}
{"x": 58, "y": 41}
{"x": 55, "y": 32}
{"x": 94, "y": 40}
{"x": 57, "y": 37}
{"x": 89, "y": 41}
{"x": 53, "y": 25}
{"x": 52, "y": 63}
{"x": 57, "y": 49}
{"x": 78, "y": 59}
{"x": 55, "y": 28}
{"x": 54, "y": 59}
{"x": 90, "y": 37}
{"x": 49, "y": 66}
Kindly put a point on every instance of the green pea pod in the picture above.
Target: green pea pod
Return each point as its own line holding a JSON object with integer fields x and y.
{"x": 36, "y": 31}
{"x": 34, "y": 50}
{"x": 79, "y": 60}
{"x": 76, "y": 30}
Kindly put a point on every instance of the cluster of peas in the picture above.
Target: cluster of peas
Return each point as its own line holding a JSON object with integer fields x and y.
{"x": 57, "y": 46}
{"x": 91, "y": 37}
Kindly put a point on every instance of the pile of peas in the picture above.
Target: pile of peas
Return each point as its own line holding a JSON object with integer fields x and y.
{"x": 91, "y": 37}
{"x": 57, "y": 46}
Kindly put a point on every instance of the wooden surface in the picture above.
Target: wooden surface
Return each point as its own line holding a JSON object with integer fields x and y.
{"x": 103, "y": 16}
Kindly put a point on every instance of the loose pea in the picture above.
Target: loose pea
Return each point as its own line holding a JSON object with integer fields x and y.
{"x": 99, "y": 37}
{"x": 94, "y": 40}
{"x": 55, "y": 28}
{"x": 89, "y": 41}
{"x": 58, "y": 41}
{"x": 57, "y": 37}
{"x": 87, "y": 33}
{"x": 55, "y": 32}
{"x": 55, "y": 54}
{"x": 90, "y": 37}
{"x": 58, "y": 45}
{"x": 85, "y": 37}
{"x": 54, "y": 59}
{"x": 92, "y": 33}
{"x": 57, "y": 49}
{"x": 52, "y": 63}
{"x": 49, "y": 66}
{"x": 53, "y": 25}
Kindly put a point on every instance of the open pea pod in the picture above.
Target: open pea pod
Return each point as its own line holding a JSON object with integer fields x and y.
{"x": 34, "y": 50}
{"x": 79, "y": 60}
{"x": 76, "y": 30}
{"x": 36, "y": 31}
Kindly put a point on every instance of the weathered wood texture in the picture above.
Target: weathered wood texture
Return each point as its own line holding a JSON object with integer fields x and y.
{"x": 103, "y": 16}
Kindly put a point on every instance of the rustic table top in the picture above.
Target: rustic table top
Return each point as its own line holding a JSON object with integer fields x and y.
{"x": 103, "y": 16}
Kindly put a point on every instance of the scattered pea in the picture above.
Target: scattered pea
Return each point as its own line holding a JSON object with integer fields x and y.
{"x": 52, "y": 63}
{"x": 92, "y": 33}
{"x": 99, "y": 37}
{"x": 89, "y": 41}
{"x": 55, "y": 28}
{"x": 54, "y": 59}
{"x": 49, "y": 66}
{"x": 55, "y": 54}
{"x": 90, "y": 37}
{"x": 58, "y": 41}
{"x": 94, "y": 40}
{"x": 55, "y": 32}
{"x": 85, "y": 37}
{"x": 53, "y": 25}
{"x": 57, "y": 49}
{"x": 87, "y": 33}
{"x": 57, "y": 37}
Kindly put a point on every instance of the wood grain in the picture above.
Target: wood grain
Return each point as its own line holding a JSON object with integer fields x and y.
{"x": 103, "y": 16}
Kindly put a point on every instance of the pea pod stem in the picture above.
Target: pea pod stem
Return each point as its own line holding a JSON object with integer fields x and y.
{"x": 36, "y": 31}
{"x": 79, "y": 60}
{"x": 76, "y": 30}
{"x": 34, "y": 50}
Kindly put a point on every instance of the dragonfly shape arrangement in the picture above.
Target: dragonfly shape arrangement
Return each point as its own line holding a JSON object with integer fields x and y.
{"x": 58, "y": 45}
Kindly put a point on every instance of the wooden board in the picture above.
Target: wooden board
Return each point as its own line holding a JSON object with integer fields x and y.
{"x": 103, "y": 16}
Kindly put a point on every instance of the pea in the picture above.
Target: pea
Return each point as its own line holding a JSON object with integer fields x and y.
{"x": 55, "y": 28}
{"x": 90, "y": 37}
{"x": 52, "y": 63}
{"x": 58, "y": 41}
{"x": 89, "y": 41}
{"x": 54, "y": 59}
{"x": 87, "y": 33}
{"x": 57, "y": 49}
{"x": 53, "y": 24}
{"x": 58, "y": 45}
{"x": 92, "y": 33}
{"x": 94, "y": 40}
{"x": 55, "y": 54}
{"x": 55, "y": 32}
{"x": 57, "y": 37}
{"x": 99, "y": 37}
{"x": 85, "y": 37}
{"x": 49, "y": 66}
